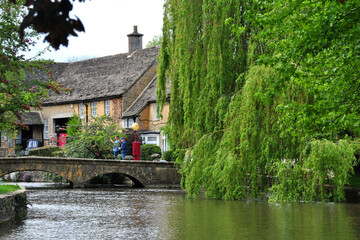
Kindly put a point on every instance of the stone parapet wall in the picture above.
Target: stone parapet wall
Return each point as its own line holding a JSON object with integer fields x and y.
{"x": 13, "y": 205}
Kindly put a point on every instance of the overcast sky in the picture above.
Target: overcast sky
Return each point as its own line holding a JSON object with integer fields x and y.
{"x": 107, "y": 23}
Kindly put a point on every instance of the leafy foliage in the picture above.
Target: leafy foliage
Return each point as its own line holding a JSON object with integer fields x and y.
{"x": 320, "y": 174}
{"x": 169, "y": 156}
{"x": 18, "y": 92}
{"x": 91, "y": 140}
{"x": 254, "y": 86}
{"x": 51, "y": 17}
{"x": 147, "y": 150}
{"x": 155, "y": 41}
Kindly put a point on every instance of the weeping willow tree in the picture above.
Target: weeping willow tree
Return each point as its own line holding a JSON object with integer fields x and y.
{"x": 257, "y": 94}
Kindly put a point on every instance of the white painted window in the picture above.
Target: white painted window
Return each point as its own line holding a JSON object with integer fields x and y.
{"x": 125, "y": 125}
{"x": 156, "y": 115}
{"x": 46, "y": 129}
{"x": 150, "y": 139}
{"x": 107, "y": 107}
{"x": 93, "y": 109}
{"x": 128, "y": 122}
{"x": 81, "y": 110}
{"x": 164, "y": 143}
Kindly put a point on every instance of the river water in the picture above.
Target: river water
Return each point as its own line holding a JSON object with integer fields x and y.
{"x": 168, "y": 214}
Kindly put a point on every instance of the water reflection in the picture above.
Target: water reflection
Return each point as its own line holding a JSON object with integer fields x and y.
{"x": 168, "y": 214}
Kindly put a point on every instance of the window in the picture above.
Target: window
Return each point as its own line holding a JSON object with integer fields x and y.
{"x": 164, "y": 143}
{"x": 5, "y": 139}
{"x": 156, "y": 115}
{"x": 18, "y": 137}
{"x": 46, "y": 129}
{"x": 81, "y": 110}
{"x": 150, "y": 139}
{"x": 10, "y": 142}
{"x": 128, "y": 122}
{"x": 107, "y": 107}
{"x": 93, "y": 109}
{"x": 125, "y": 123}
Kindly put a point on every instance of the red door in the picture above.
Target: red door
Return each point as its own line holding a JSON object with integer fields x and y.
{"x": 62, "y": 139}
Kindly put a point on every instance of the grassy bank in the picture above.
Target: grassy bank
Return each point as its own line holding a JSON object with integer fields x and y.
{"x": 8, "y": 188}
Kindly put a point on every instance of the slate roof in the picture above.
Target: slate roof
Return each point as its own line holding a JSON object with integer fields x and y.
{"x": 100, "y": 78}
{"x": 147, "y": 96}
{"x": 32, "y": 118}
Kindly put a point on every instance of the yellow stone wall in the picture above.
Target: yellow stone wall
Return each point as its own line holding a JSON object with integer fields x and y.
{"x": 115, "y": 109}
{"x": 68, "y": 110}
{"x": 147, "y": 121}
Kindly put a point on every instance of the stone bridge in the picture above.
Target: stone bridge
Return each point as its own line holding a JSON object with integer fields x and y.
{"x": 79, "y": 170}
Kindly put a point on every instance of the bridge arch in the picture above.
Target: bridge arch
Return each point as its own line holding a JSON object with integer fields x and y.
{"x": 6, "y": 171}
{"x": 136, "y": 182}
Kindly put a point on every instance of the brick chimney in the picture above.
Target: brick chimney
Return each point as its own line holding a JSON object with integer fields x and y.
{"x": 135, "y": 40}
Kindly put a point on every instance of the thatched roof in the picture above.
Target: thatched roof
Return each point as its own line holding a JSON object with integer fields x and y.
{"x": 100, "y": 78}
{"x": 148, "y": 95}
{"x": 32, "y": 118}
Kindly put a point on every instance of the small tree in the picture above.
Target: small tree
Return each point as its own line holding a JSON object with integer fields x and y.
{"x": 18, "y": 92}
{"x": 155, "y": 41}
{"x": 91, "y": 140}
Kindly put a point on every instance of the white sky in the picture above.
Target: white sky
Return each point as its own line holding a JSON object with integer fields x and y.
{"x": 107, "y": 23}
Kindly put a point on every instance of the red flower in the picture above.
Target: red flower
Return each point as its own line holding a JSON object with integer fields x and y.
{"x": 25, "y": 106}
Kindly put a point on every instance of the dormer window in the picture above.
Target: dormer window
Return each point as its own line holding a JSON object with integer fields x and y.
{"x": 128, "y": 122}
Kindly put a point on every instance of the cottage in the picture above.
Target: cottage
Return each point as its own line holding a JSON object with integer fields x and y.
{"x": 121, "y": 86}
{"x": 144, "y": 110}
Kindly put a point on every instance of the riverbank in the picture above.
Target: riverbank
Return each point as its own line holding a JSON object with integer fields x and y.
{"x": 13, "y": 205}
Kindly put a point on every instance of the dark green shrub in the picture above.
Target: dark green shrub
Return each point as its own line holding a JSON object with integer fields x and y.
{"x": 20, "y": 153}
{"x": 44, "y": 151}
{"x": 147, "y": 150}
{"x": 169, "y": 156}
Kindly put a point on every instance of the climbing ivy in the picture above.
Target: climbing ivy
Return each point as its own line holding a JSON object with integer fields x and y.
{"x": 254, "y": 86}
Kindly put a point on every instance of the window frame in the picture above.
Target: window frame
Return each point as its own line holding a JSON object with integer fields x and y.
{"x": 81, "y": 110}
{"x": 93, "y": 109}
{"x": 46, "y": 128}
{"x": 107, "y": 107}
{"x": 156, "y": 116}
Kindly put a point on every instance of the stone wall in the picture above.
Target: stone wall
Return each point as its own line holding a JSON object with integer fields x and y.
{"x": 13, "y": 205}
